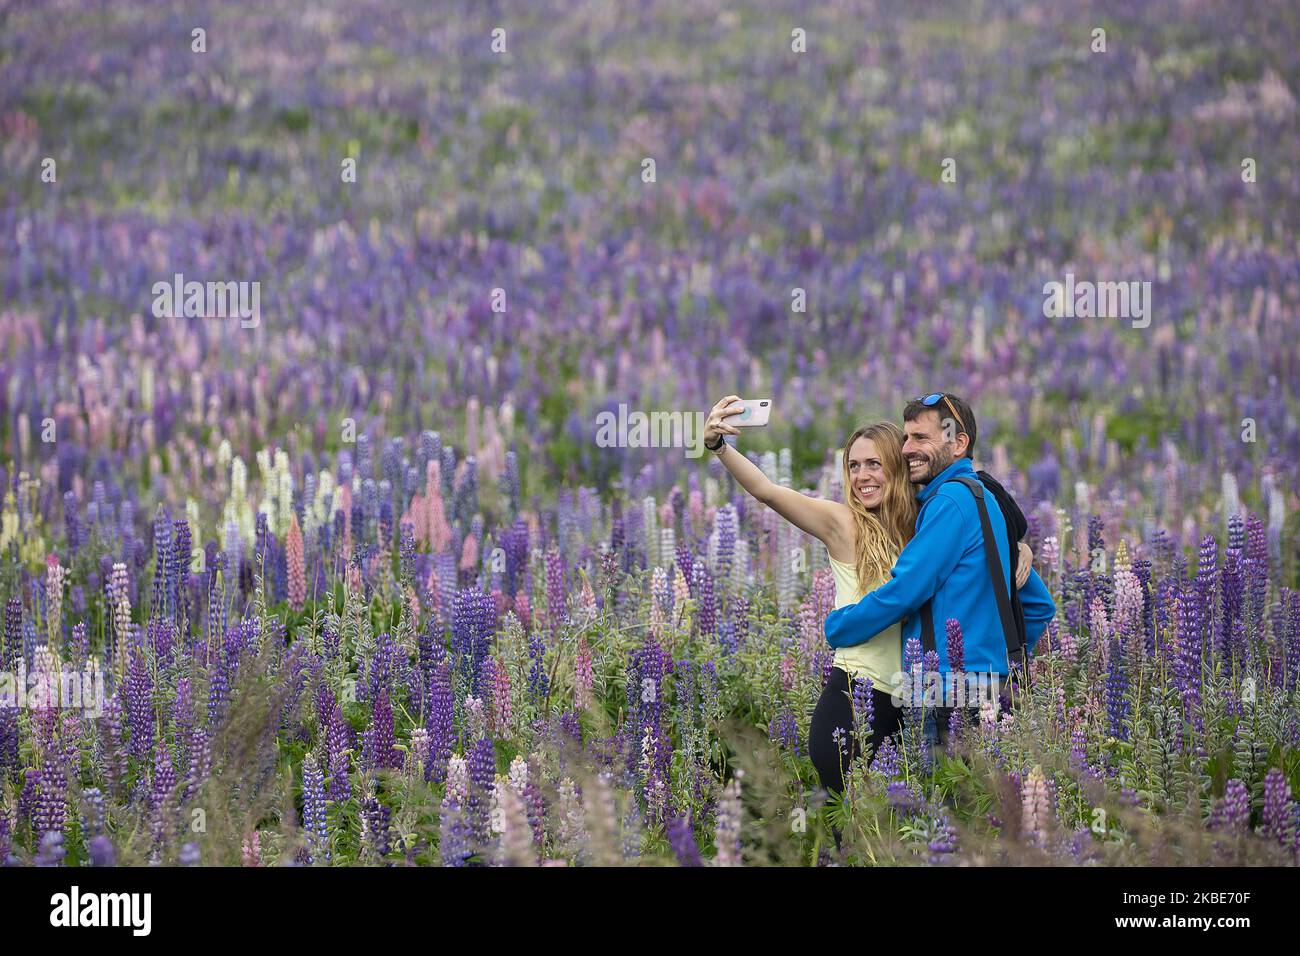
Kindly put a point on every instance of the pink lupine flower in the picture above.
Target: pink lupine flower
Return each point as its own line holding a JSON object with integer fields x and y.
{"x": 502, "y": 713}
{"x": 1036, "y": 810}
{"x": 469, "y": 554}
{"x": 584, "y": 676}
{"x": 296, "y": 565}
{"x": 439, "y": 531}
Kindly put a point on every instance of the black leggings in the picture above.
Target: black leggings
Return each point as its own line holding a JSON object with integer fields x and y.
{"x": 834, "y": 709}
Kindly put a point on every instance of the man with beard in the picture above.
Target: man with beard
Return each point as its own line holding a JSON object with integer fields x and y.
{"x": 944, "y": 571}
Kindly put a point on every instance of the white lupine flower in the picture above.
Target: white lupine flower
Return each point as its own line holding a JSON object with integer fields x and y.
{"x": 519, "y": 775}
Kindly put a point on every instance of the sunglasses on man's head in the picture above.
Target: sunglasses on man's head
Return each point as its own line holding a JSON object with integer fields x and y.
{"x": 929, "y": 401}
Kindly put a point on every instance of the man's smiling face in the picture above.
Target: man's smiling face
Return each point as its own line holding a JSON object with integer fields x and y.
{"x": 925, "y": 450}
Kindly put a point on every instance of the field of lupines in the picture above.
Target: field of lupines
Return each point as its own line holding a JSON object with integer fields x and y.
{"x": 361, "y": 587}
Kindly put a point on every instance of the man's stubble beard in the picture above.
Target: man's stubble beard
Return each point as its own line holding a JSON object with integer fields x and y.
{"x": 936, "y": 465}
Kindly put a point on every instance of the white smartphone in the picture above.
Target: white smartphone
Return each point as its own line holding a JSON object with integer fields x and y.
{"x": 755, "y": 413}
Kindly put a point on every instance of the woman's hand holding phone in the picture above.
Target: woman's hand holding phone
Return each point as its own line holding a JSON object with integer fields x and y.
{"x": 716, "y": 424}
{"x": 740, "y": 412}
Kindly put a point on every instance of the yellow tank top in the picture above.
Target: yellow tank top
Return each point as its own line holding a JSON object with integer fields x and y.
{"x": 880, "y": 658}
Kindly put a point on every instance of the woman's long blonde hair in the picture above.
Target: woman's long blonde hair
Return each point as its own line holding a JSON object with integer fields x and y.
{"x": 881, "y": 534}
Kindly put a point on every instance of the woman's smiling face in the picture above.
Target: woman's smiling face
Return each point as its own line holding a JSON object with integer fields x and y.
{"x": 866, "y": 473}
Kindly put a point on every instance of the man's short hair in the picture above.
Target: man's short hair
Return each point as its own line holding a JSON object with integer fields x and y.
{"x": 915, "y": 408}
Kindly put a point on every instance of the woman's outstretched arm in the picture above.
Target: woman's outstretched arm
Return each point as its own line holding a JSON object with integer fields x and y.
{"x": 827, "y": 521}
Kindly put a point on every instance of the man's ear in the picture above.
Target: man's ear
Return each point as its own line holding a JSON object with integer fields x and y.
{"x": 962, "y": 441}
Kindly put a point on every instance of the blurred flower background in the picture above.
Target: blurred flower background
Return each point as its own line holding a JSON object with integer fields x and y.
{"x": 380, "y": 521}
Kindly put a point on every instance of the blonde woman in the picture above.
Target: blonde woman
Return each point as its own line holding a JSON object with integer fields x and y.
{"x": 863, "y": 536}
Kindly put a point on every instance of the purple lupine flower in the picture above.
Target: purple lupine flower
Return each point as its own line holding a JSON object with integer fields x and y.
{"x": 931, "y": 662}
{"x": 1279, "y": 811}
{"x": 1079, "y": 751}
{"x": 686, "y": 692}
{"x": 1232, "y": 600}
{"x": 1207, "y": 573}
{"x": 376, "y": 829}
{"x": 381, "y": 666}
{"x": 182, "y": 718}
{"x": 80, "y": 645}
{"x": 724, "y": 530}
{"x": 864, "y": 708}
{"x": 515, "y": 546}
{"x": 1233, "y": 811}
{"x": 162, "y": 544}
{"x": 710, "y": 693}
{"x": 706, "y": 616}
{"x": 218, "y": 687}
{"x": 101, "y": 851}
{"x": 482, "y": 773}
{"x": 510, "y": 482}
{"x": 784, "y": 729}
{"x": 313, "y": 811}
{"x": 683, "y": 558}
{"x": 886, "y": 760}
{"x": 430, "y": 653}
{"x": 5, "y": 849}
{"x": 1187, "y": 659}
{"x": 51, "y": 852}
{"x": 571, "y": 725}
{"x": 472, "y": 613}
{"x": 1117, "y": 702}
{"x": 465, "y": 497}
{"x": 944, "y": 841}
{"x": 72, "y": 522}
{"x": 681, "y": 837}
{"x": 913, "y": 655}
{"x": 164, "y": 783}
{"x": 440, "y": 722}
{"x": 140, "y": 715}
{"x": 956, "y": 646}
{"x": 903, "y": 797}
{"x": 160, "y": 637}
{"x": 1257, "y": 565}
{"x": 538, "y": 683}
{"x": 8, "y": 739}
{"x": 555, "y": 602}
{"x": 383, "y": 753}
{"x": 13, "y": 634}
{"x": 49, "y": 812}
{"x": 113, "y": 756}
{"x": 338, "y": 742}
{"x": 535, "y": 805}
{"x": 455, "y": 834}
{"x": 177, "y": 569}
{"x": 408, "y": 552}
{"x": 738, "y": 621}
{"x": 1291, "y": 645}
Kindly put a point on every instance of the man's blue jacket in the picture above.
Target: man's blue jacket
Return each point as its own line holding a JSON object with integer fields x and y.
{"x": 945, "y": 561}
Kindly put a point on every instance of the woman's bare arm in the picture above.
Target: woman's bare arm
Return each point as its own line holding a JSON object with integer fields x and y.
{"x": 827, "y": 521}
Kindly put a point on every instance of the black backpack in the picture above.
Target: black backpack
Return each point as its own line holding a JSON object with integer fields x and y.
{"x": 1009, "y": 607}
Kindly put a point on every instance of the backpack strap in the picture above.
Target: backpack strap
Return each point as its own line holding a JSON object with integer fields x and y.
{"x": 1010, "y": 633}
